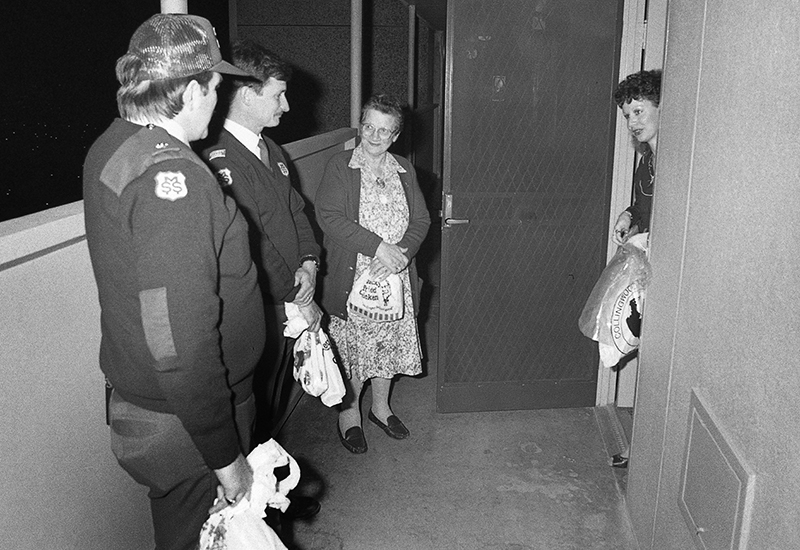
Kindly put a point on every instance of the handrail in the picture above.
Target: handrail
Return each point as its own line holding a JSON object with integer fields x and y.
{"x": 29, "y": 237}
{"x": 314, "y": 144}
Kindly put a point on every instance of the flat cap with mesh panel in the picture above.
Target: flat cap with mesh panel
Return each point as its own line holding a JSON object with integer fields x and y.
{"x": 176, "y": 45}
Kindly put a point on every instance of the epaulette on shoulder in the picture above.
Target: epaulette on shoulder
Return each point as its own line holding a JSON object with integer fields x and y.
{"x": 138, "y": 153}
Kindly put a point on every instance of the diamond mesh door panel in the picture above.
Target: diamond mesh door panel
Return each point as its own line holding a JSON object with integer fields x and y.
{"x": 531, "y": 143}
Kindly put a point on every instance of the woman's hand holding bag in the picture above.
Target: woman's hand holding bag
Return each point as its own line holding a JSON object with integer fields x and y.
{"x": 377, "y": 300}
{"x": 392, "y": 256}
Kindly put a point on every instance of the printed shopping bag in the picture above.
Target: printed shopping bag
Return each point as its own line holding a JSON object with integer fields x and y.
{"x": 612, "y": 315}
{"x": 376, "y": 300}
{"x": 316, "y": 368}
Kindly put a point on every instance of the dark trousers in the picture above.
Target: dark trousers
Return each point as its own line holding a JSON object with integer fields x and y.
{"x": 274, "y": 377}
{"x": 158, "y": 453}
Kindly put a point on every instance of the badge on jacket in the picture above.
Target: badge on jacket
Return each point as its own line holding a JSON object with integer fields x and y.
{"x": 224, "y": 177}
{"x": 171, "y": 186}
{"x": 217, "y": 153}
{"x": 284, "y": 170}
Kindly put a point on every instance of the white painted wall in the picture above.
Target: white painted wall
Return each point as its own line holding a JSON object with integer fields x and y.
{"x": 722, "y": 310}
{"x": 63, "y": 488}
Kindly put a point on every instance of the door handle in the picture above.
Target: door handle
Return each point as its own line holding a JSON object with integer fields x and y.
{"x": 447, "y": 216}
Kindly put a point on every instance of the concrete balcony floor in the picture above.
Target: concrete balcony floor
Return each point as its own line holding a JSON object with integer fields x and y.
{"x": 512, "y": 480}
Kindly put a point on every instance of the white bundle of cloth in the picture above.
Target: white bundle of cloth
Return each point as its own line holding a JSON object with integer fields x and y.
{"x": 242, "y": 527}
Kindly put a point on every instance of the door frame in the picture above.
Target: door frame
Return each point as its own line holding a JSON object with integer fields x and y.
{"x": 642, "y": 47}
{"x": 632, "y": 44}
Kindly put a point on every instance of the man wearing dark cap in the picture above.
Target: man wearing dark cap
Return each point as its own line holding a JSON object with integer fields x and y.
{"x": 181, "y": 316}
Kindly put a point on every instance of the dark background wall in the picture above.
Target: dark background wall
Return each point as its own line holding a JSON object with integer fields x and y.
{"x": 59, "y": 90}
{"x": 314, "y": 37}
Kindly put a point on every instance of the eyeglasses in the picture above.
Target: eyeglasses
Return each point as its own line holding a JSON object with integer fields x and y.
{"x": 383, "y": 133}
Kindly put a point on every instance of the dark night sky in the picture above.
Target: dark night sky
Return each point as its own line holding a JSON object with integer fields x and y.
{"x": 59, "y": 90}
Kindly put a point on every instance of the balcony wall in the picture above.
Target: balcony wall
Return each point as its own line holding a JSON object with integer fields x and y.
{"x": 63, "y": 486}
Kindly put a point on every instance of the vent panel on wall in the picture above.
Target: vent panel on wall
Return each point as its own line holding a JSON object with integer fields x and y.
{"x": 716, "y": 492}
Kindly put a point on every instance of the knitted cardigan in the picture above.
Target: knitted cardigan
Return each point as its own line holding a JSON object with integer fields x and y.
{"x": 336, "y": 206}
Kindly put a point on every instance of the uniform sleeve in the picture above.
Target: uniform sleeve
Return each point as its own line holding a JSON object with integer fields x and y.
{"x": 307, "y": 242}
{"x": 258, "y": 206}
{"x": 331, "y": 207}
{"x": 177, "y": 219}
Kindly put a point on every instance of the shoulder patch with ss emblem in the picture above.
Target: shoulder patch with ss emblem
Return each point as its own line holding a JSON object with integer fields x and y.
{"x": 171, "y": 186}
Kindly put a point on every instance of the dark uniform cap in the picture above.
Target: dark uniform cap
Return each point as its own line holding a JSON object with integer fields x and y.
{"x": 176, "y": 45}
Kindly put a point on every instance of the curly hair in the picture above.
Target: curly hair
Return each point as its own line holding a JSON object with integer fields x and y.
{"x": 640, "y": 86}
{"x": 386, "y": 104}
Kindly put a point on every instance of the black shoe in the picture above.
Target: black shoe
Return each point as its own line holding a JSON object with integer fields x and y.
{"x": 353, "y": 439}
{"x": 619, "y": 461}
{"x": 301, "y": 507}
{"x": 393, "y": 427}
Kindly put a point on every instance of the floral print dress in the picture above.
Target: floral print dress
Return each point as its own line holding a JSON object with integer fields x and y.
{"x": 367, "y": 348}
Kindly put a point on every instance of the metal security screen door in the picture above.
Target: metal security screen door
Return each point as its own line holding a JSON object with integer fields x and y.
{"x": 529, "y": 148}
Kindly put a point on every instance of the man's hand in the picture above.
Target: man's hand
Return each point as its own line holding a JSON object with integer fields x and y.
{"x": 392, "y": 256}
{"x": 236, "y": 481}
{"x": 313, "y": 316}
{"x": 306, "y": 277}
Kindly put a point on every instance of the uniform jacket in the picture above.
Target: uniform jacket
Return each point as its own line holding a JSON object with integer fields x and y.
{"x": 280, "y": 233}
{"x": 181, "y": 316}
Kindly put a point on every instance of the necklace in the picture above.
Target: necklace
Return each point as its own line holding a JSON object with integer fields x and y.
{"x": 380, "y": 188}
{"x": 380, "y": 181}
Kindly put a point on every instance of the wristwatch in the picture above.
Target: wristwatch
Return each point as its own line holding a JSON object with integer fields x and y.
{"x": 310, "y": 258}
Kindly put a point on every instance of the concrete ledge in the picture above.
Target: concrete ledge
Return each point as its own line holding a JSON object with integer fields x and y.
{"x": 29, "y": 237}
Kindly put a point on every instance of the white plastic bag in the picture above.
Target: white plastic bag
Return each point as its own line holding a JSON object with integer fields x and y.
{"x": 238, "y": 528}
{"x": 376, "y": 300}
{"x": 613, "y": 312}
{"x": 316, "y": 369}
{"x": 242, "y": 527}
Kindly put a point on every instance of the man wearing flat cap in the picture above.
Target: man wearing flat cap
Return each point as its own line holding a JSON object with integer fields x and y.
{"x": 182, "y": 321}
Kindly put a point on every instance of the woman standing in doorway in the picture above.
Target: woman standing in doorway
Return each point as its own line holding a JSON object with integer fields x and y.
{"x": 639, "y": 96}
{"x": 374, "y": 218}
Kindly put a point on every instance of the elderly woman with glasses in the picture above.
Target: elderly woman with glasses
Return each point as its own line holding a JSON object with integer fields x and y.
{"x": 374, "y": 218}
